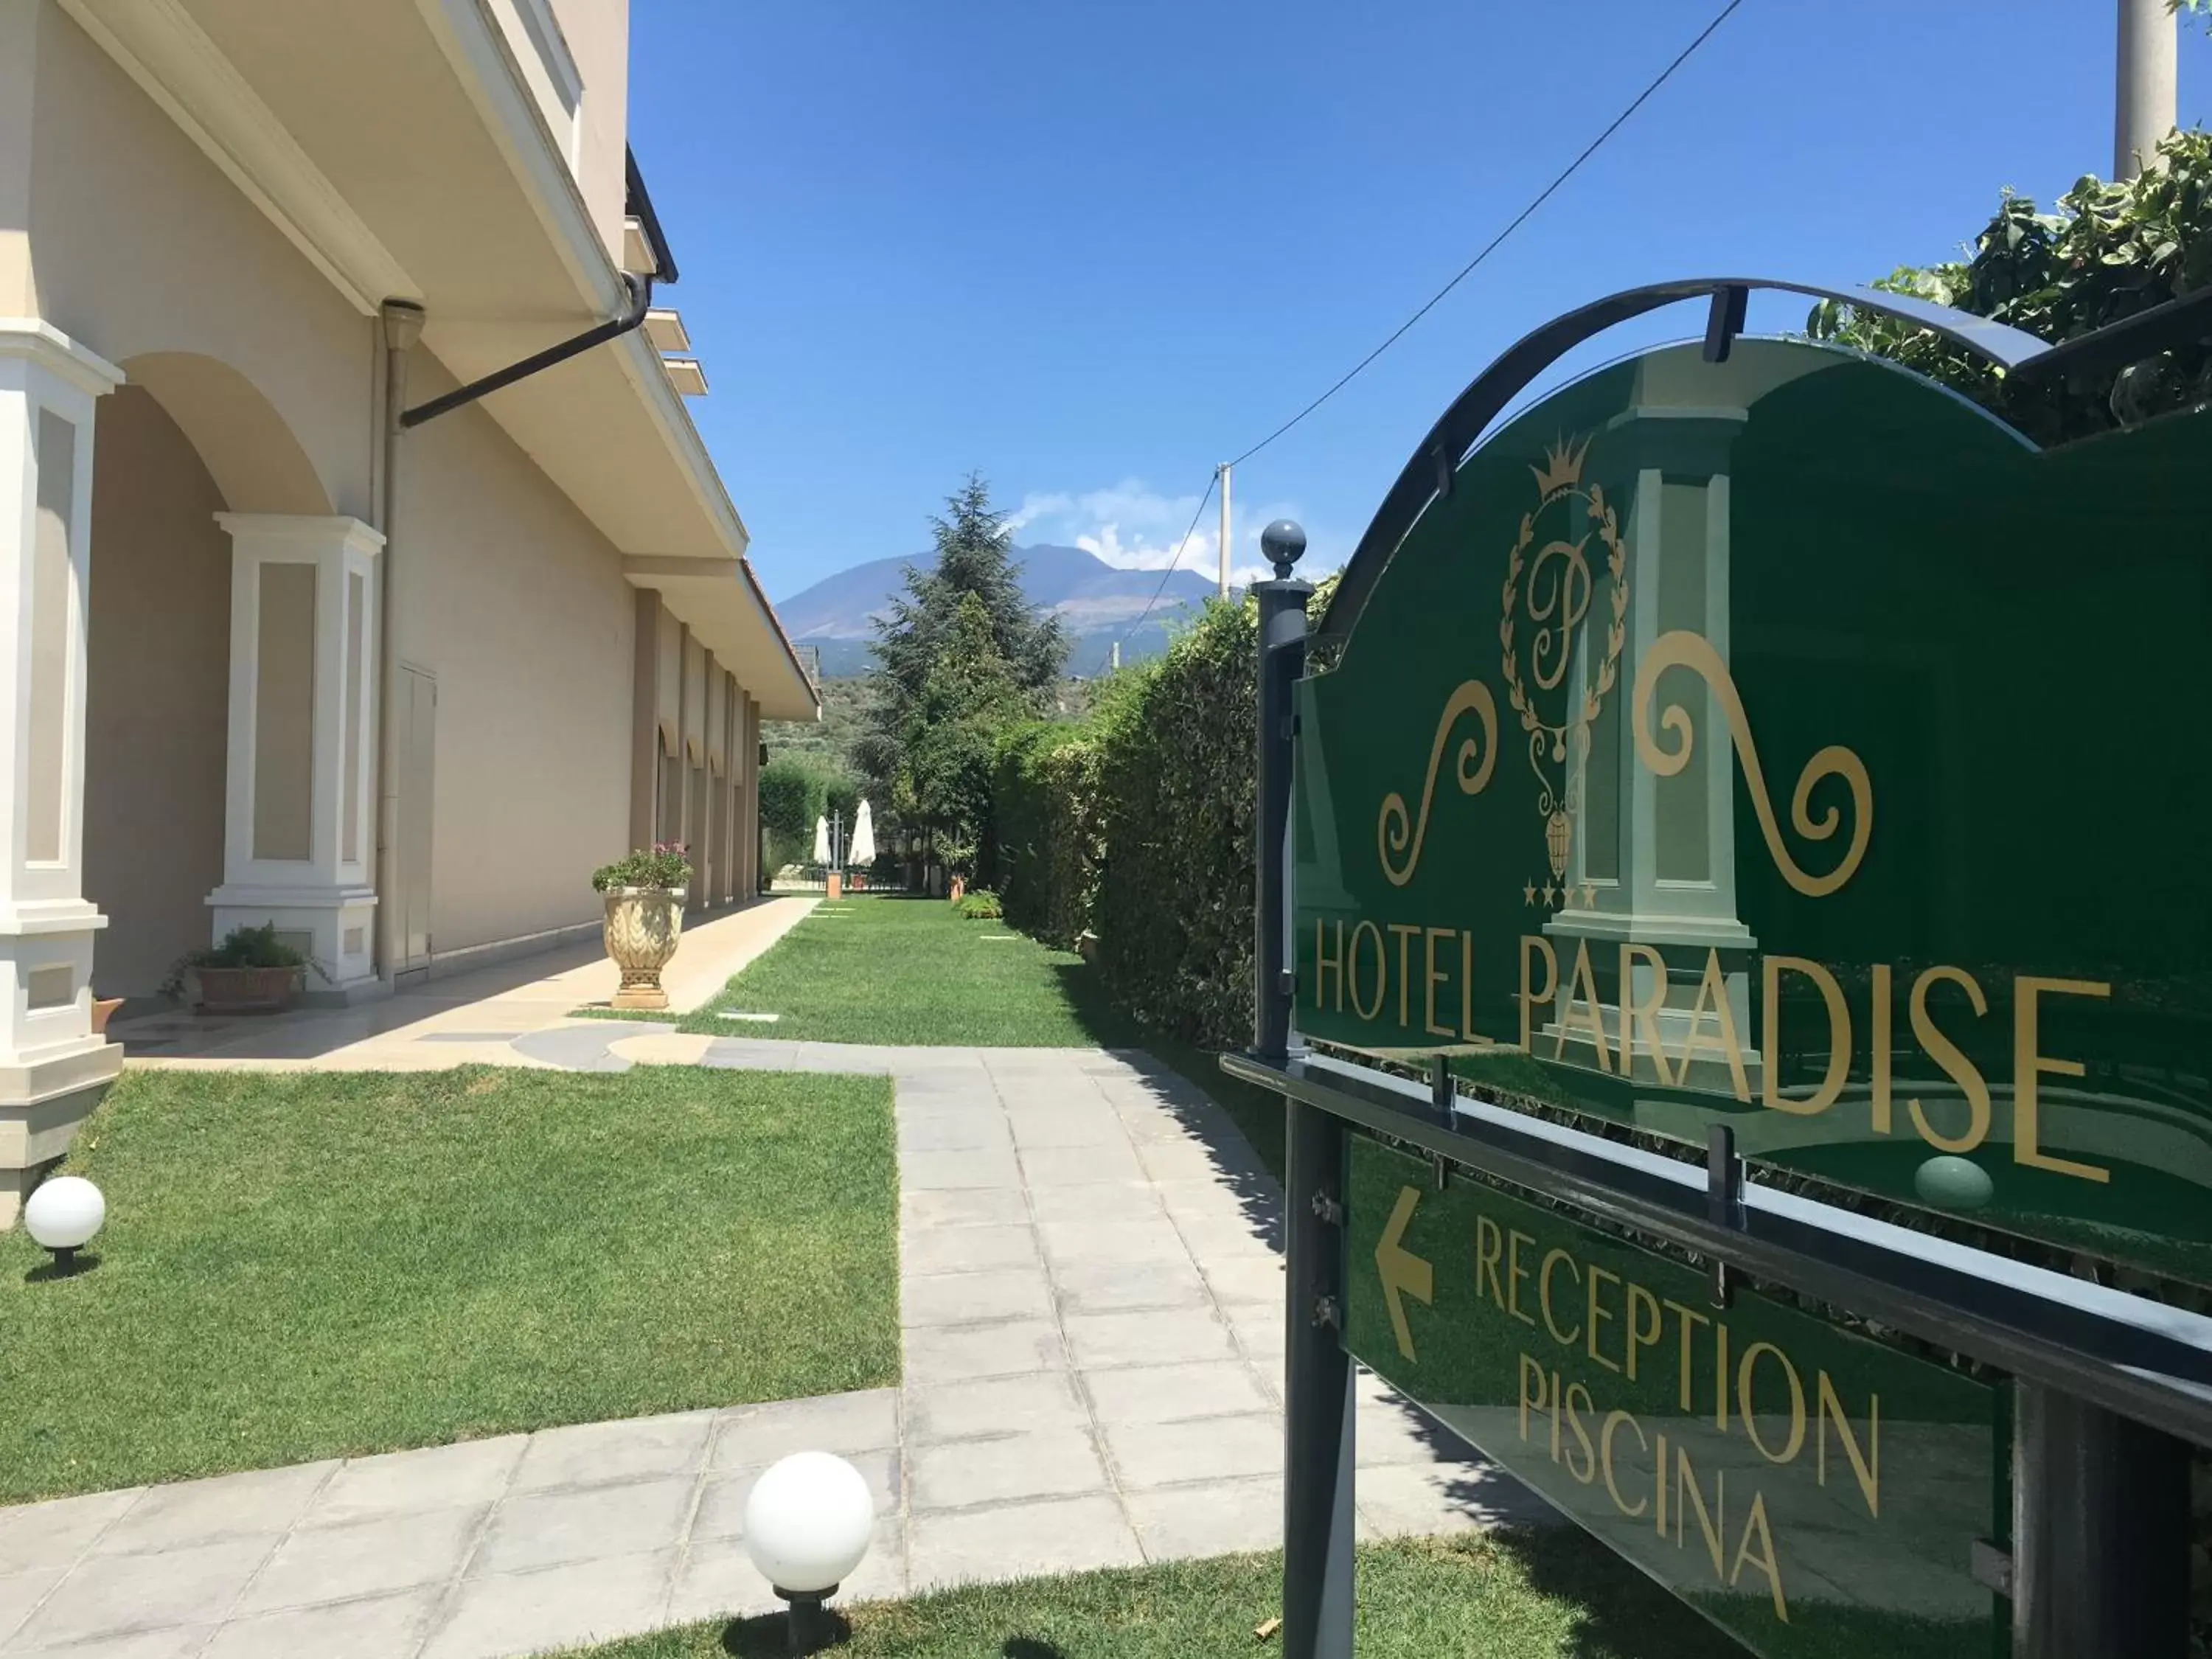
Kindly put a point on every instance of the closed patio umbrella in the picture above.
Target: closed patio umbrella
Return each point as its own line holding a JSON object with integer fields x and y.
{"x": 821, "y": 840}
{"x": 862, "y": 852}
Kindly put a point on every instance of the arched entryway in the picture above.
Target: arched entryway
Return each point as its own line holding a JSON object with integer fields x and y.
{"x": 187, "y": 437}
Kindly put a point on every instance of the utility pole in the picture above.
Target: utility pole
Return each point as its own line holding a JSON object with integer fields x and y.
{"x": 2144, "y": 110}
{"x": 1222, "y": 472}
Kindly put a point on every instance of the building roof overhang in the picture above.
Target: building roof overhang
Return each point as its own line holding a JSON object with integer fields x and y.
{"x": 398, "y": 144}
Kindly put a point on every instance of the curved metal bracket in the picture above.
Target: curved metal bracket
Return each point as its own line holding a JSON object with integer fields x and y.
{"x": 1428, "y": 474}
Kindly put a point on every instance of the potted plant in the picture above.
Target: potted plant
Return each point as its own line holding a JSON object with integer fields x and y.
{"x": 251, "y": 972}
{"x": 645, "y": 894}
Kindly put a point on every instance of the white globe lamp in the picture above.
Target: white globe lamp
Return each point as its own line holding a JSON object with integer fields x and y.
{"x": 807, "y": 1525}
{"x": 63, "y": 1216}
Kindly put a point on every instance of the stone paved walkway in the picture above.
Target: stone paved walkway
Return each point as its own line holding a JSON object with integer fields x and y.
{"x": 1092, "y": 1299}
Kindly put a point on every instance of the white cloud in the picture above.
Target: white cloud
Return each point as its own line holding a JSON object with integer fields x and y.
{"x": 1133, "y": 527}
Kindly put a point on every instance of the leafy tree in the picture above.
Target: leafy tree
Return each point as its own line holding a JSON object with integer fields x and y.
{"x": 971, "y": 694}
{"x": 960, "y": 655}
{"x": 2110, "y": 252}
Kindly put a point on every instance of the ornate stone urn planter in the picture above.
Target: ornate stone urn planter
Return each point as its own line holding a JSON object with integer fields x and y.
{"x": 645, "y": 894}
{"x": 643, "y": 925}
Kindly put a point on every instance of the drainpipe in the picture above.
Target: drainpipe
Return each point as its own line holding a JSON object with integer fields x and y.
{"x": 403, "y": 327}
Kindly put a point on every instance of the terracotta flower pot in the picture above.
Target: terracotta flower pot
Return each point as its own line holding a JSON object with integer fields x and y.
{"x": 245, "y": 990}
{"x": 102, "y": 1009}
{"x": 642, "y": 926}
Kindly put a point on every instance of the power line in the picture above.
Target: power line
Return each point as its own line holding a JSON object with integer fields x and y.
{"x": 1514, "y": 224}
{"x": 1167, "y": 573}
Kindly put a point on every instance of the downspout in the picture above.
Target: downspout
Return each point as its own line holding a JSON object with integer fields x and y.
{"x": 403, "y": 327}
{"x": 403, "y": 322}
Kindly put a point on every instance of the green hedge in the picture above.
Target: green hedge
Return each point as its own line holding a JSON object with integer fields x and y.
{"x": 1045, "y": 827}
{"x": 796, "y": 788}
{"x": 1135, "y": 824}
{"x": 1173, "y": 905}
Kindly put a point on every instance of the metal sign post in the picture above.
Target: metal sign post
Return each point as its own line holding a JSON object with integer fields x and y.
{"x": 1317, "y": 1516}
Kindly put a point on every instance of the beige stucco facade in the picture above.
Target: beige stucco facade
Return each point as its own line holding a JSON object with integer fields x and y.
{"x": 268, "y": 657}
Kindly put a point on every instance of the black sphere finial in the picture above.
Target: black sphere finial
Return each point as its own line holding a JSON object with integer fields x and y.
{"x": 1285, "y": 544}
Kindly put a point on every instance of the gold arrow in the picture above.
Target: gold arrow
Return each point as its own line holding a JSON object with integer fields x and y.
{"x": 1403, "y": 1273}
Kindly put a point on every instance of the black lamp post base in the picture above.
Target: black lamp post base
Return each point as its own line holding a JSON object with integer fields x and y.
{"x": 806, "y": 1624}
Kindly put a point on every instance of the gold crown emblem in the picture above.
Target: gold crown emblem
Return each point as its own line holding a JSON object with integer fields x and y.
{"x": 1562, "y": 468}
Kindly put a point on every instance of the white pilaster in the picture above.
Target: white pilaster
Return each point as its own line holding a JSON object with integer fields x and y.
{"x": 300, "y": 822}
{"x": 53, "y": 1068}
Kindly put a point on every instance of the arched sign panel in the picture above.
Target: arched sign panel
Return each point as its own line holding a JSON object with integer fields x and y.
{"x": 1782, "y": 742}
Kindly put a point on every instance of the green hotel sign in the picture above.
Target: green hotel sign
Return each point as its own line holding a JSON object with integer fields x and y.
{"x": 1782, "y": 742}
{"x": 1812, "y": 1492}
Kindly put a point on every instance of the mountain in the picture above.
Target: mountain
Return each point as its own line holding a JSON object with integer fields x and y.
{"x": 1095, "y": 600}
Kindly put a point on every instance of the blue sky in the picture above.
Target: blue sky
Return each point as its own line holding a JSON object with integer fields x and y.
{"x": 1093, "y": 249}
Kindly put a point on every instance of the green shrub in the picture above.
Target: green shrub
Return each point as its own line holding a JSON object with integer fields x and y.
{"x": 665, "y": 866}
{"x": 1173, "y": 906}
{"x": 981, "y": 905}
{"x": 798, "y": 787}
{"x": 2111, "y": 252}
{"x": 241, "y": 947}
{"x": 1044, "y": 823}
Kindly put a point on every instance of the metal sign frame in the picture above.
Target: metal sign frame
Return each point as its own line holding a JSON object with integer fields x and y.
{"x": 2110, "y": 1385}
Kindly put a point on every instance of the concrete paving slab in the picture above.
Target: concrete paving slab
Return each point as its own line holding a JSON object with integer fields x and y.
{"x": 1088, "y": 1287}
{"x": 365, "y": 1558}
{"x": 520, "y": 1613}
{"x": 1074, "y": 1242}
{"x": 612, "y": 1454}
{"x": 22, "y": 1592}
{"x": 962, "y": 1353}
{"x": 925, "y": 1172}
{"x": 970, "y": 1207}
{"x": 925, "y": 1251}
{"x": 974, "y": 1298}
{"x": 1036, "y": 1129}
{"x": 951, "y": 1132}
{"x": 262, "y": 1505}
{"x": 845, "y": 1424}
{"x": 1163, "y": 1338}
{"x": 994, "y": 1406}
{"x": 115, "y": 1594}
{"x": 1127, "y": 1200}
{"x": 436, "y": 1477}
{"x": 1110, "y": 1163}
{"x": 177, "y": 1642}
{"x": 371, "y": 1628}
{"x": 54, "y": 1534}
{"x": 1073, "y": 1534}
{"x": 956, "y": 1475}
{"x": 1175, "y": 1393}
{"x": 1205, "y": 1449}
{"x": 544, "y": 1529}
{"x": 1217, "y": 1518}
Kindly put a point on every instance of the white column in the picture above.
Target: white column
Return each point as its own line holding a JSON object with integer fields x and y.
{"x": 299, "y": 837}
{"x": 53, "y": 1068}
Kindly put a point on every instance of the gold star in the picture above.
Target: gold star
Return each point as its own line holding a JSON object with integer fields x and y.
{"x": 1527, "y": 892}
{"x": 1551, "y": 897}
{"x": 1589, "y": 896}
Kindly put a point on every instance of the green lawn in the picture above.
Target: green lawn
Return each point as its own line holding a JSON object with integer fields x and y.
{"x": 908, "y": 970}
{"x": 301, "y": 1264}
{"x": 1541, "y": 1594}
